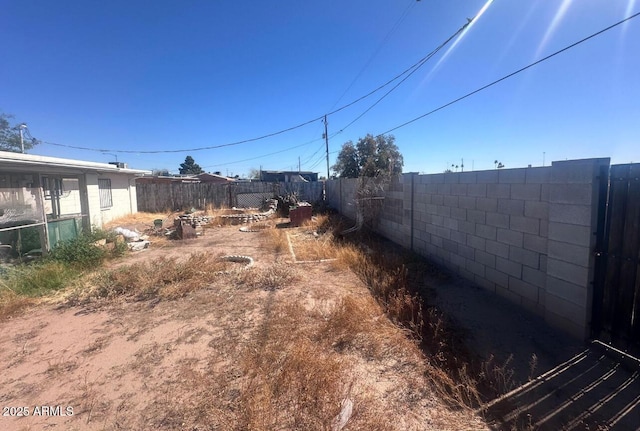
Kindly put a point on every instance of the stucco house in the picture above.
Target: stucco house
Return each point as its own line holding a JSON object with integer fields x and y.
{"x": 44, "y": 200}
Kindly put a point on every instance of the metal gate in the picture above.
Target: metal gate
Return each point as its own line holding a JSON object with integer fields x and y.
{"x": 616, "y": 296}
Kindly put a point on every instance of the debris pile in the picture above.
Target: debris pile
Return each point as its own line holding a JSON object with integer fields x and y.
{"x": 135, "y": 241}
{"x": 190, "y": 225}
{"x": 194, "y": 220}
{"x": 269, "y": 208}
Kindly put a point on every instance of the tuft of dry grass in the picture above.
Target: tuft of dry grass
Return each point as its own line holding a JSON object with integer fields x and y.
{"x": 139, "y": 218}
{"x": 163, "y": 277}
{"x": 12, "y": 304}
{"x": 309, "y": 247}
{"x": 277, "y": 239}
{"x": 286, "y": 378}
{"x": 358, "y": 324}
{"x": 275, "y": 276}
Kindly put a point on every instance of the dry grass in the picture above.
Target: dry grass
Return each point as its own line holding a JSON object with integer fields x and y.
{"x": 288, "y": 378}
{"x": 162, "y": 277}
{"x": 278, "y": 355}
{"x": 358, "y": 324}
{"x": 139, "y": 218}
{"x": 395, "y": 282}
{"x": 275, "y": 276}
{"x": 277, "y": 240}
{"x": 12, "y": 304}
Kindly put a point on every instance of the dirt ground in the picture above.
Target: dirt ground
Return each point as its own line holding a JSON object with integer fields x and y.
{"x": 140, "y": 364}
{"x": 152, "y": 364}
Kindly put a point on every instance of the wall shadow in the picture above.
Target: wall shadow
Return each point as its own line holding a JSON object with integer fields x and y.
{"x": 591, "y": 391}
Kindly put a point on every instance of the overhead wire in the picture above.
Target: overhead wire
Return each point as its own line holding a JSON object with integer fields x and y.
{"x": 313, "y": 155}
{"x": 510, "y": 75}
{"x": 420, "y": 64}
{"x": 393, "y": 29}
{"x": 410, "y": 70}
{"x": 265, "y": 155}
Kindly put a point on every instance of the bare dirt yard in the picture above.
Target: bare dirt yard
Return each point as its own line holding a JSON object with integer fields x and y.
{"x": 172, "y": 338}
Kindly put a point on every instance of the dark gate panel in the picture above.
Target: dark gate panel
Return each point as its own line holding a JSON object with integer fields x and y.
{"x": 616, "y": 308}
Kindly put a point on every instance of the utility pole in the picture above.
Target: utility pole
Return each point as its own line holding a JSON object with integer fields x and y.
{"x": 326, "y": 140}
{"x": 543, "y": 157}
{"x": 22, "y": 127}
{"x": 298, "y": 165}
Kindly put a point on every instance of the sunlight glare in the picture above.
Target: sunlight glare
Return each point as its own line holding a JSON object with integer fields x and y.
{"x": 458, "y": 39}
{"x": 557, "y": 19}
{"x": 630, "y": 8}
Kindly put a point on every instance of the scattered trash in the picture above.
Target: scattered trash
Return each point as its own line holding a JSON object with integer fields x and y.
{"x": 134, "y": 240}
{"x": 130, "y": 235}
{"x": 343, "y": 417}
{"x": 138, "y": 245}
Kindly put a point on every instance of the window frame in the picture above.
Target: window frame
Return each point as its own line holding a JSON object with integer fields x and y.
{"x": 105, "y": 193}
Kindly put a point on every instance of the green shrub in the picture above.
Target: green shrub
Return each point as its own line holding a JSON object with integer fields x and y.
{"x": 37, "y": 279}
{"x": 81, "y": 252}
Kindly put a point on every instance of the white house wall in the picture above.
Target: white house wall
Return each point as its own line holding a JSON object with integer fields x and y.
{"x": 123, "y": 195}
{"x": 93, "y": 198}
{"x": 70, "y": 199}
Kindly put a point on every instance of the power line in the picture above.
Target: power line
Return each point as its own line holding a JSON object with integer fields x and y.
{"x": 314, "y": 154}
{"x": 265, "y": 155}
{"x": 405, "y": 13}
{"x": 513, "y": 73}
{"x": 410, "y": 70}
{"x": 406, "y": 71}
{"x": 420, "y": 64}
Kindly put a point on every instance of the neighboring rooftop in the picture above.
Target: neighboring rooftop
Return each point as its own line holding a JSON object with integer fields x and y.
{"x": 31, "y": 160}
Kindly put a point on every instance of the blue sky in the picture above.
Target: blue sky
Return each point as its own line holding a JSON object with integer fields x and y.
{"x": 177, "y": 75}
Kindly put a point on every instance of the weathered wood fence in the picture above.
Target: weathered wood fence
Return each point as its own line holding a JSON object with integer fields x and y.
{"x": 616, "y": 297}
{"x": 179, "y": 196}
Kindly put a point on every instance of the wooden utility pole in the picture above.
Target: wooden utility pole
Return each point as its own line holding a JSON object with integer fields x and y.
{"x": 326, "y": 140}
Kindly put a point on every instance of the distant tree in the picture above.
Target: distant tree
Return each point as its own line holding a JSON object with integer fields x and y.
{"x": 372, "y": 156}
{"x": 160, "y": 172}
{"x": 10, "y": 136}
{"x": 375, "y": 161}
{"x": 254, "y": 173}
{"x": 190, "y": 167}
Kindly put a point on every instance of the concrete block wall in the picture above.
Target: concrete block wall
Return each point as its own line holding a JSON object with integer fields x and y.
{"x": 488, "y": 226}
{"x": 525, "y": 234}
{"x": 341, "y": 195}
{"x": 573, "y": 212}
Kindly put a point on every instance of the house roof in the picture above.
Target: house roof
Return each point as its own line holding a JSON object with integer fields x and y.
{"x": 288, "y": 172}
{"x": 31, "y": 160}
{"x": 206, "y": 176}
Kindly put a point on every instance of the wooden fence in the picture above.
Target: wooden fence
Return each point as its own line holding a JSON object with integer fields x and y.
{"x": 616, "y": 302}
{"x": 179, "y": 196}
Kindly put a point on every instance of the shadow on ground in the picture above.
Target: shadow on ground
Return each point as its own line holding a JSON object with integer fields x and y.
{"x": 569, "y": 385}
{"x": 591, "y": 391}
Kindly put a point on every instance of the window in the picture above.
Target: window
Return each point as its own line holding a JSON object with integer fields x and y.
{"x": 52, "y": 187}
{"x": 104, "y": 188}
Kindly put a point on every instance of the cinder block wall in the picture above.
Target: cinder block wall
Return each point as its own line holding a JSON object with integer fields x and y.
{"x": 525, "y": 234}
